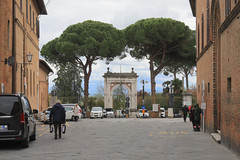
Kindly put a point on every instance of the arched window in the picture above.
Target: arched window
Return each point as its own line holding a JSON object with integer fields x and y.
{"x": 227, "y": 7}
{"x": 202, "y": 31}
{"x": 8, "y": 35}
{"x": 30, "y": 82}
{"x": 30, "y": 15}
{"x": 198, "y": 40}
{"x": 27, "y": 9}
{"x": 21, "y": 4}
{"x": 208, "y": 35}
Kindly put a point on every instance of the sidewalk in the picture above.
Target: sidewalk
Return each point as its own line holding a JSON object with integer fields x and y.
{"x": 190, "y": 145}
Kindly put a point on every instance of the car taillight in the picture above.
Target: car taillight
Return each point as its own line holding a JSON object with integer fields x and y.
{"x": 80, "y": 110}
{"x": 22, "y": 118}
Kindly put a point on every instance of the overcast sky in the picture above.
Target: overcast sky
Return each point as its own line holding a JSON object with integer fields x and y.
{"x": 119, "y": 13}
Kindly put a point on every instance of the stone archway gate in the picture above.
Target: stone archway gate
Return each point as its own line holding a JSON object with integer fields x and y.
{"x": 128, "y": 80}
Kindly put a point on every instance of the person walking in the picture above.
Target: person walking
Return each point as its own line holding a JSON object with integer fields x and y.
{"x": 84, "y": 113}
{"x": 76, "y": 111}
{"x": 191, "y": 115}
{"x": 189, "y": 112}
{"x": 123, "y": 113}
{"x": 185, "y": 111}
{"x": 197, "y": 117}
{"x": 57, "y": 117}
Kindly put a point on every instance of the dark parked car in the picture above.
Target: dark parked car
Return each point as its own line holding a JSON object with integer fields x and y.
{"x": 17, "y": 121}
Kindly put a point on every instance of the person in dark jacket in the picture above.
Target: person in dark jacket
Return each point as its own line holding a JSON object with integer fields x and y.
{"x": 185, "y": 111}
{"x": 57, "y": 117}
{"x": 197, "y": 117}
{"x": 191, "y": 115}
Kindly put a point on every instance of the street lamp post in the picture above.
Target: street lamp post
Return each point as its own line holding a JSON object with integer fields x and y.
{"x": 29, "y": 60}
{"x": 171, "y": 92}
{"x": 143, "y": 89}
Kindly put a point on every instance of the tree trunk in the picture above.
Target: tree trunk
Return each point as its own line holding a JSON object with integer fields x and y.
{"x": 153, "y": 83}
{"x": 175, "y": 74}
{"x": 86, "y": 82}
{"x": 187, "y": 82}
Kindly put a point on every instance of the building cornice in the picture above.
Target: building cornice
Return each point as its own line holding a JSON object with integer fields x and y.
{"x": 41, "y": 7}
{"x": 209, "y": 44}
{"x": 193, "y": 7}
{"x": 45, "y": 65}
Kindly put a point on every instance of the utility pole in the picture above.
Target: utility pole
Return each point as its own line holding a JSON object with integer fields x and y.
{"x": 143, "y": 82}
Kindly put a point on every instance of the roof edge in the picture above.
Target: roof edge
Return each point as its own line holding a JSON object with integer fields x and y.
{"x": 193, "y": 7}
{"x": 44, "y": 63}
{"x": 42, "y": 7}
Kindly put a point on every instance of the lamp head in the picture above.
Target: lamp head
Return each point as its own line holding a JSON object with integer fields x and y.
{"x": 29, "y": 58}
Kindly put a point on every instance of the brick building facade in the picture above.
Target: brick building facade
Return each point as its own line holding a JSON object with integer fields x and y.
{"x": 5, "y": 45}
{"x": 44, "y": 71}
{"x": 218, "y": 66}
{"x": 19, "y": 28}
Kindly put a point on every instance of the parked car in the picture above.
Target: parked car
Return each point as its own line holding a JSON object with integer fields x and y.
{"x": 162, "y": 110}
{"x": 110, "y": 112}
{"x": 44, "y": 117}
{"x": 178, "y": 115}
{"x": 17, "y": 121}
{"x": 96, "y": 112}
{"x": 104, "y": 113}
{"x": 69, "y": 108}
{"x": 140, "y": 114}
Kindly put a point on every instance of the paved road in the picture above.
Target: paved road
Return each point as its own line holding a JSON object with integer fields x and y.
{"x": 121, "y": 139}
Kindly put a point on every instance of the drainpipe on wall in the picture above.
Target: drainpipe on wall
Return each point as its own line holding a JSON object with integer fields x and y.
{"x": 13, "y": 49}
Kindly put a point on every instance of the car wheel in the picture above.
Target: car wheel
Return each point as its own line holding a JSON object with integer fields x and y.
{"x": 72, "y": 118}
{"x": 76, "y": 118}
{"x": 33, "y": 137}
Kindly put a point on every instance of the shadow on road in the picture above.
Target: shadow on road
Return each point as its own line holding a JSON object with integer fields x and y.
{"x": 9, "y": 145}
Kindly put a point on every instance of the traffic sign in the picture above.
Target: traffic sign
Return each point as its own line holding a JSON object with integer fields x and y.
{"x": 203, "y": 105}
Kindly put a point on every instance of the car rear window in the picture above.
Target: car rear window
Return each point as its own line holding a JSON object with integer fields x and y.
{"x": 9, "y": 106}
{"x": 68, "y": 108}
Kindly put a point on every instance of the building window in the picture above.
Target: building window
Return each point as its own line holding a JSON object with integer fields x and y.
{"x": 37, "y": 28}
{"x": 27, "y": 9}
{"x": 27, "y": 83}
{"x": 33, "y": 22}
{"x": 8, "y": 34}
{"x": 227, "y": 7}
{"x": 229, "y": 85}
{"x": 30, "y": 82}
{"x": 33, "y": 83}
{"x": 21, "y": 4}
{"x": 202, "y": 31}
{"x": 208, "y": 36}
{"x": 198, "y": 40}
{"x": 30, "y": 15}
{"x": 208, "y": 87}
